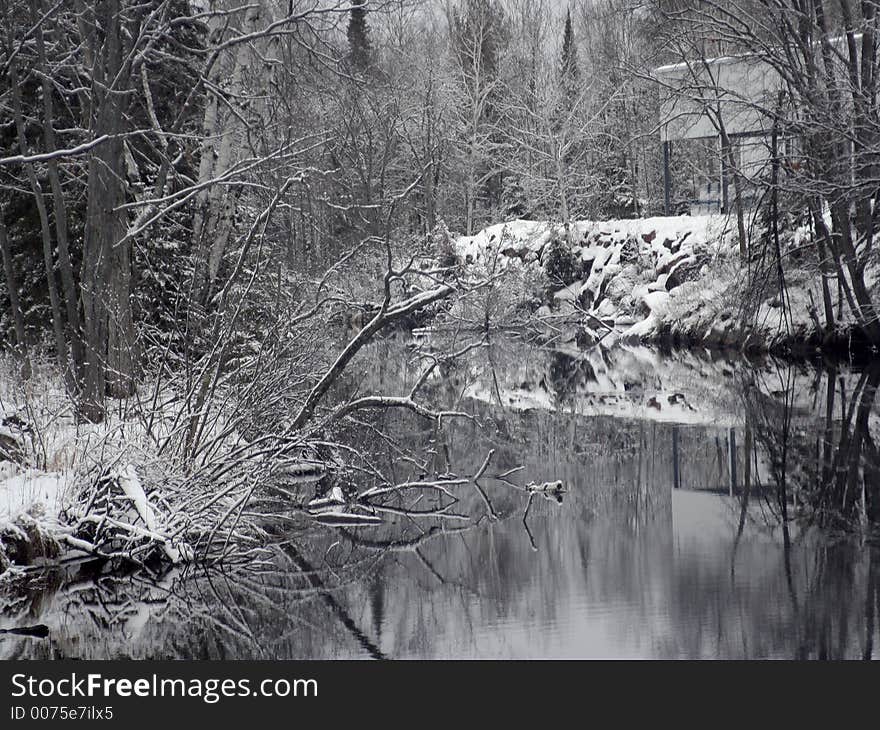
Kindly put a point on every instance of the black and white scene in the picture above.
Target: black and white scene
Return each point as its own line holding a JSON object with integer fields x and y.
{"x": 439, "y": 329}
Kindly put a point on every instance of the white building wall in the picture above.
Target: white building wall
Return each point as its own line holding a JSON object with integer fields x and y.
{"x": 739, "y": 89}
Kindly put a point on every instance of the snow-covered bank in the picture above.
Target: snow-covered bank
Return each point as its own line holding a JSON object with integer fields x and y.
{"x": 46, "y": 515}
{"x": 30, "y": 504}
{"x": 70, "y": 488}
{"x": 676, "y": 279}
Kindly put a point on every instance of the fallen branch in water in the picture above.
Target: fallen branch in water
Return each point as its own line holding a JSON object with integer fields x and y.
{"x": 386, "y": 401}
{"x": 476, "y": 480}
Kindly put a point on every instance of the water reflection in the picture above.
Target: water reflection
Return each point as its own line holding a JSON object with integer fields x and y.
{"x": 712, "y": 508}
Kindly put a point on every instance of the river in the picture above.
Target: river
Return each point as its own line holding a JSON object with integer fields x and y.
{"x": 713, "y": 507}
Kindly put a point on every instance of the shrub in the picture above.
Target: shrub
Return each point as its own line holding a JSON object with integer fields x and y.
{"x": 444, "y": 246}
{"x": 561, "y": 265}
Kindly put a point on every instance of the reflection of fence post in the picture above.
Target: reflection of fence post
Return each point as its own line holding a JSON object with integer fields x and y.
{"x": 731, "y": 453}
{"x": 676, "y": 473}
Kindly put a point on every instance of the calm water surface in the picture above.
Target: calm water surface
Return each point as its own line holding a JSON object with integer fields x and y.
{"x": 713, "y": 509}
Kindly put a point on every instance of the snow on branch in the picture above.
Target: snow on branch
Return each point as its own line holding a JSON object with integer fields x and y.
{"x": 55, "y": 154}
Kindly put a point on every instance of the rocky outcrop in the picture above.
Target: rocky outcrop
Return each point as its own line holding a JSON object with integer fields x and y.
{"x": 603, "y": 275}
{"x": 675, "y": 280}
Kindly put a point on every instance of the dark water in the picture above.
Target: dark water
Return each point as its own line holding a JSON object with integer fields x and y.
{"x": 713, "y": 509}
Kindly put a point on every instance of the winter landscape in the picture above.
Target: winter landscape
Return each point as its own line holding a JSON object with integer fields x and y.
{"x": 420, "y": 329}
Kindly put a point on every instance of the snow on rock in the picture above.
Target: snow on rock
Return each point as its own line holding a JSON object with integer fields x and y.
{"x": 623, "y": 270}
{"x": 642, "y": 329}
{"x": 568, "y": 293}
{"x": 517, "y": 239}
{"x": 660, "y": 284}
{"x": 605, "y": 309}
{"x": 656, "y": 301}
{"x": 676, "y": 278}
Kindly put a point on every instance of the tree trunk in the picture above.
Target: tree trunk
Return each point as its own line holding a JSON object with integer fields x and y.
{"x": 14, "y": 302}
{"x": 865, "y": 310}
{"x": 61, "y": 351}
{"x": 65, "y": 267}
{"x": 727, "y": 152}
{"x": 821, "y": 239}
{"x": 213, "y": 219}
{"x": 108, "y": 367}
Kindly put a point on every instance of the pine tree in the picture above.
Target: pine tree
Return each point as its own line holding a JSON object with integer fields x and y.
{"x": 564, "y": 119}
{"x": 360, "y": 52}
{"x": 569, "y": 73}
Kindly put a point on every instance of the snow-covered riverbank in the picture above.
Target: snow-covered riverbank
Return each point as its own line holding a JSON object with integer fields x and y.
{"x": 675, "y": 279}
{"x": 70, "y": 488}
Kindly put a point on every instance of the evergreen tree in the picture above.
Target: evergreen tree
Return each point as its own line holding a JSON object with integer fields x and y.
{"x": 360, "y": 52}
{"x": 568, "y": 147}
{"x": 569, "y": 73}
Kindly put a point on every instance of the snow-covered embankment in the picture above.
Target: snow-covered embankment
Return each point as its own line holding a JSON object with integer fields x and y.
{"x": 648, "y": 279}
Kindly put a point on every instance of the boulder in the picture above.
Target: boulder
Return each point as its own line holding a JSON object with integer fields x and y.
{"x": 606, "y": 308}
{"x": 612, "y": 270}
{"x": 660, "y": 284}
{"x": 665, "y": 266}
{"x": 629, "y": 251}
{"x": 622, "y": 283}
{"x": 684, "y": 269}
{"x": 568, "y": 293}
{"x": 656, "y": 301}
{"x": 517, "y": 252}
{"x": 11, "y": 449}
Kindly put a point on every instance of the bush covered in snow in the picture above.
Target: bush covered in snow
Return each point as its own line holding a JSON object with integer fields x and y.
{"x": 560, "y": 264}
{"x": 444, "y": 246}
{"x": 93, "y": 489}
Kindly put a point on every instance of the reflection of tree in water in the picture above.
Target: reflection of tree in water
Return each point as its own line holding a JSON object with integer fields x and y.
{"x": 563, "y": 372}
{"x": 823, "y": 469}
{"x": 287, "y": 607}
{"x": 829, "y": 626}
{"x": 566, "y": 373}
{"x": 823, "y": 459}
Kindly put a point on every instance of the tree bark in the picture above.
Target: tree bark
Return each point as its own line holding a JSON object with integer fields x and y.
{"x": 220, "y": 150}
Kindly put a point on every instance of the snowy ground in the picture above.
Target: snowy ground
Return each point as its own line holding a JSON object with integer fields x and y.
{"x": 30, "y": 491}
{"x": 30, "y": 504}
